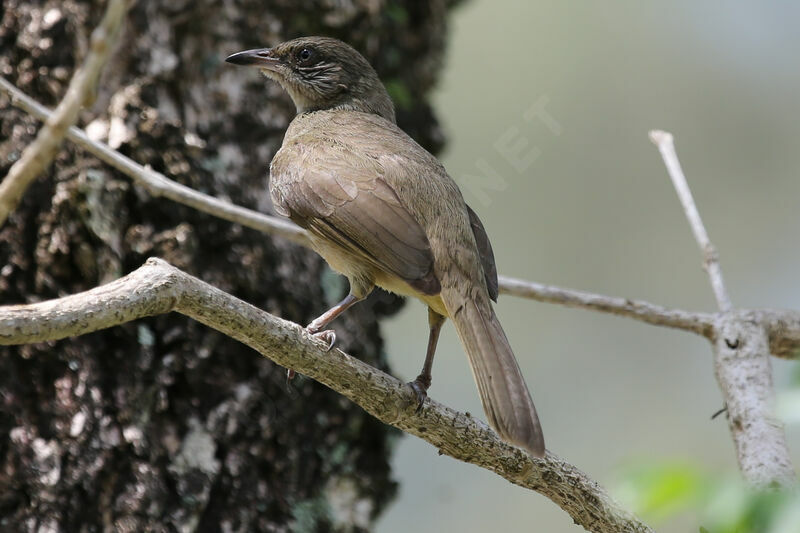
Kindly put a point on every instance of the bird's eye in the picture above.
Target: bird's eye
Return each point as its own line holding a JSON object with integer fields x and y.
{"x": 305, "y": 55}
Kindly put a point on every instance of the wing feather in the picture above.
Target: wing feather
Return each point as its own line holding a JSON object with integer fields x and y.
{"x": 486, "y": 254}
{"x": 341, "y": 195}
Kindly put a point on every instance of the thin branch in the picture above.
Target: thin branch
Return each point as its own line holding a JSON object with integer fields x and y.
{"x": 700, "y": 323}
{"x": 158, "y": 288}
{"x": 39, "y": 154}
{"x": 784, "y": 325}
{"x": 666, "y": 146}
{"x": 741, "y": 358}
{"x": 159, "y": 185}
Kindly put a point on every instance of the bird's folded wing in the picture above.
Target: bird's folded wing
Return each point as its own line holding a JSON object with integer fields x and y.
{"x": 341, "y": 196}
{"x": 485, "y": 253}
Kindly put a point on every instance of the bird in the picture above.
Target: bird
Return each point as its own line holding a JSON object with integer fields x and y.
{"x": 383, "y": 211}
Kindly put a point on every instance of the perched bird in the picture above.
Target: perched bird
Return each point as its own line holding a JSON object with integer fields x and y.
{"x": 382, "y": 211}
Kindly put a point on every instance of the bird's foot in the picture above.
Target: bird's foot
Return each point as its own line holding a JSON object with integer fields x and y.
{"x": 420, "y": 388}
{"x": 327, "y": 336}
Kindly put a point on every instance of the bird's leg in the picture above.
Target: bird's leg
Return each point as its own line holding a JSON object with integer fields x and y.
{"x": 317, "y": 326}
{"x": 423, "y": 381}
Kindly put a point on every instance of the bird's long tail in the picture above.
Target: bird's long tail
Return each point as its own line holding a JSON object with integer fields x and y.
{"x": 504, "y": 395}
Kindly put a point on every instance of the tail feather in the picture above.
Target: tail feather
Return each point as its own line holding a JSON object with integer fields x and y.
{"x": 504, "y": 395}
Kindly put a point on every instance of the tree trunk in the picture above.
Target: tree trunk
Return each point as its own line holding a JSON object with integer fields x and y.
{"x": 163, "y": 424}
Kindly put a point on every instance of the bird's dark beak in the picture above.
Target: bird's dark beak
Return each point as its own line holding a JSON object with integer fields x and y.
{"x": 260, "y": 57}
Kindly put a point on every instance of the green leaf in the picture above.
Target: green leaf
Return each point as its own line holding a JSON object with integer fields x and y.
{"x": 660, "y": 491}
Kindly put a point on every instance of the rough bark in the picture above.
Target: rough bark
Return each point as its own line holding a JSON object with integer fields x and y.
{"x": 163, "y": 424}
{"x": 158, "y": 287}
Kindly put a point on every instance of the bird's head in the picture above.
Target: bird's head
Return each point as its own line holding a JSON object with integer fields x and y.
{"x": 321, "y": 73}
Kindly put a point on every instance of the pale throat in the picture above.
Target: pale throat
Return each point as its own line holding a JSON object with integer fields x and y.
{"x": 300, "y": 101}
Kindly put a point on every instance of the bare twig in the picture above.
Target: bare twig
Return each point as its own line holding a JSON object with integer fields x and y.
{"x": 741, "y": 357}
{"x": 158, "y": 288}
{"x": 700, "y": 323}
{"x": 666, "y": 146}
{"x": 159, "y": 185}
{"x": 38, "y": 155}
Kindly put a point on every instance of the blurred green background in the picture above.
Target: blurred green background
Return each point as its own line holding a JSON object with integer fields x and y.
{"x": 592, "y": 208}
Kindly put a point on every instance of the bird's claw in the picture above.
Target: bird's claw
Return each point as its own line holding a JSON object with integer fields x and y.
{"x": 327, "y": 336}
{"x": 420, "y": 392}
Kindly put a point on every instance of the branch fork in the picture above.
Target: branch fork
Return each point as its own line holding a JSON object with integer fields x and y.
{"x": 742, "y": 339}
{"x": 742, "y": 346}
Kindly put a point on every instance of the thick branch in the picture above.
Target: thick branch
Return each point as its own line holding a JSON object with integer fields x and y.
{"x": 743, "y": 369}
{"x": 39, "y": 154}
{"x": 158, "y": 288}
{"x": 783, "y": 328}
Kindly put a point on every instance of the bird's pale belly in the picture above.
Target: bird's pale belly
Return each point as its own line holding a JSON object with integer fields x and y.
{"x": 365, "y": 275}
{"x": 398, "y": 286}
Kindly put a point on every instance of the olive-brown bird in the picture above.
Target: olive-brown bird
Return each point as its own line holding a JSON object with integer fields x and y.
{"x": 382, "y": 211}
